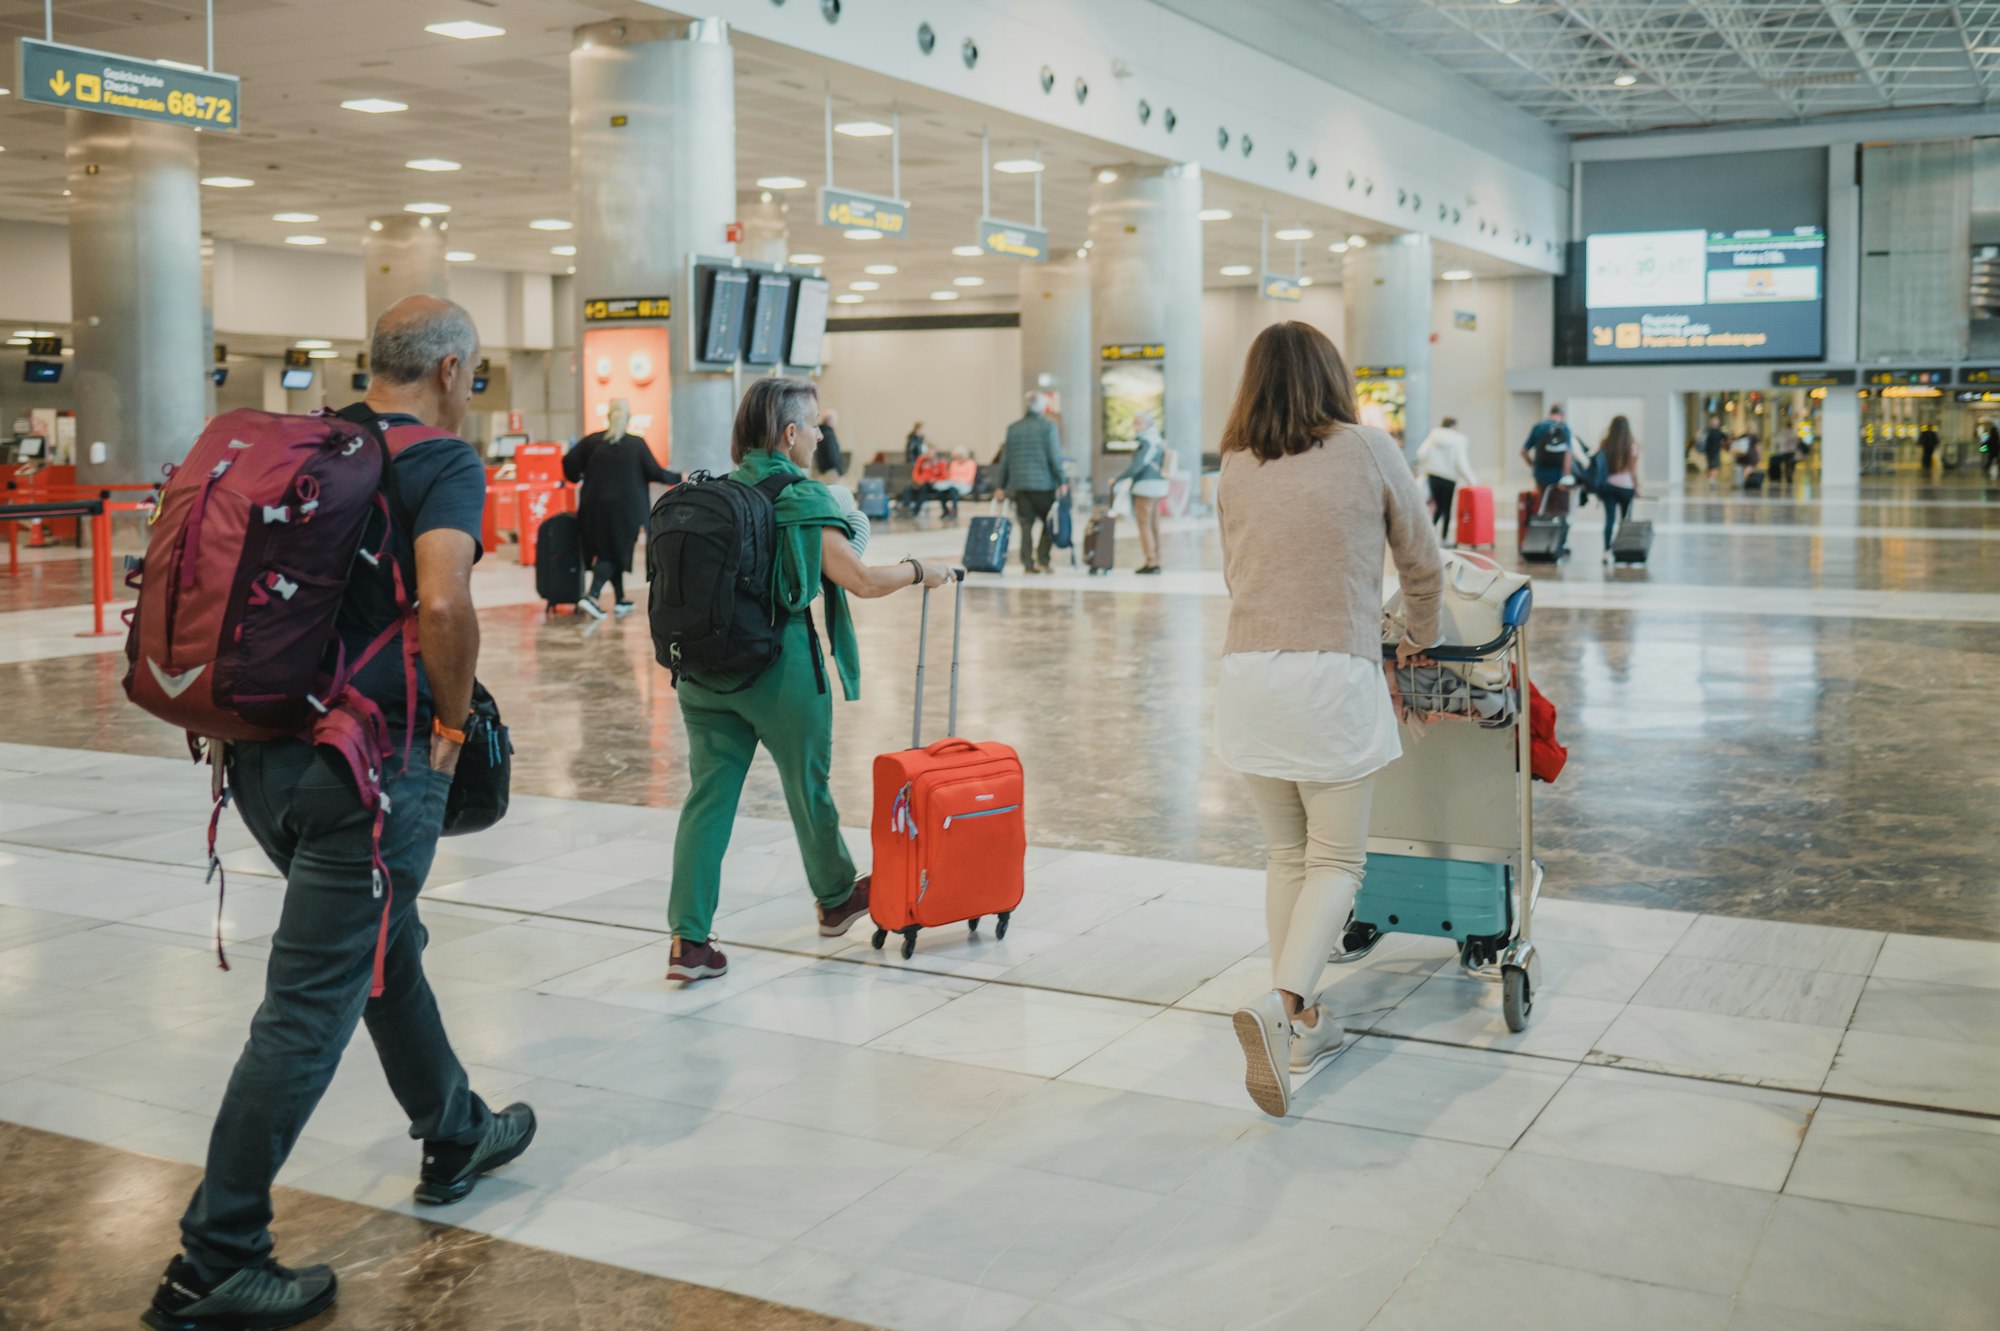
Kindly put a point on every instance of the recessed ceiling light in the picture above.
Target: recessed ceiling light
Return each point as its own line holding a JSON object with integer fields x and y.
{"x": 305, "y": 240}
{"x": 864, "y": 286}
{"x": 562, "y": 251}
{"x": 847, "y": 299}
{"x": 5, "y": 91}
{"x": 34, "y": 332}
{"x": 1338, "y": 247}
{"x": 374, "y": 224}
{"x": 944, "y": 295}
{"x": 863, "y": 129}
{"x": 1215, "y": 214}
{"x": 1624, "y": 80}
{"x": 432, "y": 164}
{"x": 1019, "y": 166}
{"x": 322, "y": 354}
{"x": 862, "y": 233}
{"x": 805, "y": 260}
{"x": 1083, "y": 254}
{"x": 780, "y": 182}
{"x": 968, "y": 281}
{"x": 1357, "y": 242}
{"x": 1106, "y": 176}
{"x": 571, "y": 270}
{"x": 312, "y": 344}
{"x": 1235, "y": 270}
{"x": 1293, "y": 233}
{"x": 17, "y": 341}
{"x": 880, "y": 269}
{"x": 550, "y": 224}
{"x": 1305, "y": 281}
{"x": 227, "y": 182}
{"x": 374, "y": 106}
{"x": 465, "y": 29}
{"x": 459, "y": 256}
{"x": 295, "y": 217}
{"x": 967, "y": 251}
{"x": 1455, "y": 274}
{"x": 427, "y": 208}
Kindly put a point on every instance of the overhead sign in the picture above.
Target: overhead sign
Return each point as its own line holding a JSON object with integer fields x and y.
{"x": 1378, "y": 372}
{"x": 1811, "y": 378}
{"x": 80, "y": 79}
{"x": 1985, "y": 374}
{"x": 296, "y": 358}
{"x": 850, "y": 210}
{"x": 1013, "y": 240}
{"x": 1975, "y": 395}
{"x": 1276, "y": 286}
{"x": 610, "y": 309}
{"x": 1910, "y": 378}
{"x": 1465, "y": 319}
{"x": 45, "y": 346}
{"x": 1133, "y": 351}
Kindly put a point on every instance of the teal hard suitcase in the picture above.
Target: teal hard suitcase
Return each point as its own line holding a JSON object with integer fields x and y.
{"x": 1455, "y": 899}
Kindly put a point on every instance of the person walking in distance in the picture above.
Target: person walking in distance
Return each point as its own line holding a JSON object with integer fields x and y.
{"x": 1444, "y": 459}
{"x": 1714, "y": 442}
{"x": 1928, "y": 440}
{"x": 1621, "y": 478}
{"x": 1310, "y": 503}
{"x": 1547, "y": 451}
{"x": 302, "y": 806}
{"x": 914, "y": 445}
{"x": 1032, "y": 469}
{"x": 613, "y": 469}
{"x": 1149, "y": 487}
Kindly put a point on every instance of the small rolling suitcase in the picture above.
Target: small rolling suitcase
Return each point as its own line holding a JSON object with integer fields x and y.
{"x": 1753, "y": 481}
{"x": 1524, "y": 513}
{"x": 949, "y": 834}
{"x": 1474, "y": 522}
{"x": 559, "y": 561}
{"x": 1100, "y": 543}
{"x": 1633, "y": 542}
{"x": 872, "y": 498}
{"x": 986, "y": 541}
{"x": 1545, "y": 539}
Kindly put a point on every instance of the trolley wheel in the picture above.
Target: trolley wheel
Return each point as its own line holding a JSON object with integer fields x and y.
{"x": 909, "y": 943}
{"x": 1515, "y": 1000}
{"x": 972, "y": 925}
{"x": 1000, "y": 923}
{"x": 881, "y": 937}
{"x": 1356, "y": 942}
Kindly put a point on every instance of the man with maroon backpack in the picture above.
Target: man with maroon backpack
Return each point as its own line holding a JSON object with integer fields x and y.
{"x": 340, "y": 955}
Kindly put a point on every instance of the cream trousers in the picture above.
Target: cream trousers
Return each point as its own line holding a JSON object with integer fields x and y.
{"x": 1316, "y": 834}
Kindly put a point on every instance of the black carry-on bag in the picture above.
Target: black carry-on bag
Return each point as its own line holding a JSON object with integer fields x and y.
{"x": 986, "y": 540}
{"x": 1547, "y": 538}
{"x": 559, "y": 561}
{"x": 1100, "y": 543}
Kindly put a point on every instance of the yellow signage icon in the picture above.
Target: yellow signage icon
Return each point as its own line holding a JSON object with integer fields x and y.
{"x": 89, "y": 88}
{"x": 59, "y": 85}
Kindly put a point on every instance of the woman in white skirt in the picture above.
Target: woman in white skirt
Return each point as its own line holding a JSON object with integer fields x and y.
{"x": 1305, "y": 708}
{"x": 1149, "y": 487}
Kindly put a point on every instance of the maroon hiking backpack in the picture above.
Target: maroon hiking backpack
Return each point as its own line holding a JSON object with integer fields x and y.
{"x": 253, "y": 541}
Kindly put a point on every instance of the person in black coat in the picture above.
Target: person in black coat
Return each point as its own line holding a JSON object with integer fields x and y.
{"x": 614, "y": 469}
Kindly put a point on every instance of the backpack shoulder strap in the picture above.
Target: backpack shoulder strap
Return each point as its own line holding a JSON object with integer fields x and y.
{"x": 773, "y": 486}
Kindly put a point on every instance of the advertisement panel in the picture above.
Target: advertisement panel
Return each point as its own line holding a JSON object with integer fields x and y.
{"x": 1688, "y": 296}
{"x": 629, "y": 363}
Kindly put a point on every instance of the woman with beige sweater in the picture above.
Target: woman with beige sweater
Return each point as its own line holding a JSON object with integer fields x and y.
{"x": 1305, "y": 710}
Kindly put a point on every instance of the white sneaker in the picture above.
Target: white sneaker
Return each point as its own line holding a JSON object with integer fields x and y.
{"x": 591, "y": 608}
{"x": 1313, "y": 1045}
{"x": 1266, "y": 1037}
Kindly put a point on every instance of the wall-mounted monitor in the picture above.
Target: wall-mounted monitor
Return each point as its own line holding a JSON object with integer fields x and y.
{"x": 31, "y": 446}
{"x": 725, "y": 296}
{"x": 42, "y": 372}
{"x": 1687, "y": 296}
{"x": 479, "y": 382}
{"x": 505, "y": 445}
{"x": 771, "y": 303}
{"x": 296, "y": 380}
{"x": 220, "y": 374}
{"x": 358, "y": 382}
{"x": 808, "y": 335}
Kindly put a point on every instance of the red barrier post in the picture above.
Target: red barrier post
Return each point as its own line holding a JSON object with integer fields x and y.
{"x": 100, "y": 571}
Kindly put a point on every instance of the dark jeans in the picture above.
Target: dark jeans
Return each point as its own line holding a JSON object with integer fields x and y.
{"x": 1544, "y": 478}
{"x": 606, "y": 571}
{"x": 1617, "y": 501}
{"x": 1031, "y": 507}
{"x": 1442, "y": 491}
{"x": 1783, "y": 465}
{"x": 301, "y": 806}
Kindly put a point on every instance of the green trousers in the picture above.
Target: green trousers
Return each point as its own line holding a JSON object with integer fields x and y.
{"x": 790, "y": 714}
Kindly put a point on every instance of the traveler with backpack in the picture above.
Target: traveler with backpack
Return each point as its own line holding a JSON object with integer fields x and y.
{"x": 1548, "y": 450}
{"x": 349, "y": 947}
{"x": 613, "y": 468}
{"x": 1613, "y": 476}
{"x": 750, "y": 669}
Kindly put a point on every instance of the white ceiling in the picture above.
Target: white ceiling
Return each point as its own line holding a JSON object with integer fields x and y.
{"x": 1706, "y": 62}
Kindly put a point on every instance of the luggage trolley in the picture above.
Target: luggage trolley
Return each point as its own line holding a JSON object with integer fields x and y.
{"x": 1451, "y": 835}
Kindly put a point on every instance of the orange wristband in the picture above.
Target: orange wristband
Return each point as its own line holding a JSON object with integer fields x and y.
{"x": 440, "y": 729}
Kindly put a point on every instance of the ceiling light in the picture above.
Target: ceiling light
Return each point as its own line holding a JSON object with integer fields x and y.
{"x": 550, "y": 224}
{"x": 1215, "y": 214}
{"x": 571, "y": 270}
{"x": 1357, "y": 242}
{"x": 34, "y": 332}
{"x": 1106, "y": 176}
{"x": 1019, "y": 166}
{"x": 847, "y": 299}
{"x": 864, "y": 286}
{"x": 968, "y": 281}
{"x": 305, "y": 240}
{"x": 5, "y": 91}
{"x": 322, "y": 354}
{"x": 1625, "y": 80}
{"x": 805, "y": 260}
{"x": 1455, "y": 274}
{"x": 1305, "y": 281}
{"x": 227, "y": 182}
{"x": 880, "y": 269}
{"x": 562, "y": 251}
{"x": 295, "y": 217}
{"x": 944, "y": 295}
{"x": 374, "y": 224}
{"x": 312, "y": 344}
{"x": 427, "y": 208}
{"x": 1235, "y": 270}
{"x": 17, "y": 341}
{"x": 967, "y": 251}
{"x": 780, "y": 182}
{"x": 459, "y": 256}
{"x": 465, "y": 29}
{"x": 374, "y": 106}
{"x": 1338, "y": 247}
{"x": 863, "y": 129}
{"x": 432, "y": 164}
{"x": 1294, "y": 233}
{"x": 1083, "y": 254}
{"x": 862, "y": 233}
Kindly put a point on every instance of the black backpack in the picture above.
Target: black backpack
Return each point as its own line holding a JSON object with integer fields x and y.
{"x": 710, "y": 545}
{"x": 1552, "y": 443}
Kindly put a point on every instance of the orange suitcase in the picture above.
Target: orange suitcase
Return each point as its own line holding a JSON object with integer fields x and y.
{"x": 1474, "y": 527}
{"x": 949, "y": 832}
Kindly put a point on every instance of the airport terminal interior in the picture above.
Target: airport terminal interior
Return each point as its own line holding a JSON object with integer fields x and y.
{"x": 1715, "y": 1039}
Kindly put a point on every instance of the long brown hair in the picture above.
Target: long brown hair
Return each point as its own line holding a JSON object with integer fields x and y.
{"x": 1617, "y": 446}
{"x": 1295, "y": 391}
{"x": 770, "y": 405}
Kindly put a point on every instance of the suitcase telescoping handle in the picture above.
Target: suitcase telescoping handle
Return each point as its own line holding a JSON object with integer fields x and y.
{"x": 923, "y": 639}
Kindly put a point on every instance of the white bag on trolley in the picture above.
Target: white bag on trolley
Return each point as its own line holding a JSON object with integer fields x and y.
{"x": 1472, "y": 609}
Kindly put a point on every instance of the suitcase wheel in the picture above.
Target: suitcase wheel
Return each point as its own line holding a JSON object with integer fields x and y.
{"x": 909, "y": 943}
{"x": 1000, "y": 923}
{"x": 972, "y": 925}
{"x": 881, "y": 937}
{"x": 1516, "y": 1002}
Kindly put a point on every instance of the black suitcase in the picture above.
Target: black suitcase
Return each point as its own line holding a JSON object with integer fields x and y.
{"x": 1633, "y": 543}
{"x": 559, "y": 561}
{"x": 872, "y": 498}
{"x": 1100, "y": 543}
{"x": 1753, "y": 480}
{"x": 1547, "y": 540}
{"x": 986, "y": 541}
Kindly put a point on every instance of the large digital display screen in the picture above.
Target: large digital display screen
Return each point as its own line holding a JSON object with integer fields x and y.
{"x": 1705, "y": 295}
{"x": 722, "y": 336}
{"x": 808, "y": 322}
{"x": 770, "y": 304}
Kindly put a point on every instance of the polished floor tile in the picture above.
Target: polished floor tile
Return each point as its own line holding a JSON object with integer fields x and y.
{"x": 1431, "y": 1090}
{"x": 1942, "y": 1165}
{"x": 1018, "y": 1030}
{"x": 1453, "y": 1009}
{"x": 1945, "y": 1074}
{"x": 1745, "y": 989}
{"x": 1781, "y": 1054}
{"x": 1964, "y": 1014}
{"x": 1939, "y": 961}
{"x": 1770, "y": 943}
{"x": 1454, "y": 1287}
{"x": 1911, "y": 1272}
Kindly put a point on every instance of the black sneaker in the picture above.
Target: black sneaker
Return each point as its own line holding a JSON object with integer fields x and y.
{"x": 254, "y": 1298}
{"x": 450, "y": 1170}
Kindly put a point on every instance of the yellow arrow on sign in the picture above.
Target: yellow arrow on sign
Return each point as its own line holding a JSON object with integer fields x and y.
{"x": 59, "y": 85}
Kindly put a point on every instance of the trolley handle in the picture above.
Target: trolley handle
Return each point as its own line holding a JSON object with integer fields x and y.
{"x": 1519, "y": 606}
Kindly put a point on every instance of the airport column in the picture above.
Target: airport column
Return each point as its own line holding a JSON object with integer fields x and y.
{"x": 653, "y": 156}
{"x": 135, "y": 289}
{"x": 766, "y": 230}
{"x": 1386, "y": 288}
{"x": 1839, "y": 440}
{"x": 1056, "y": 350}
{"x": 403, "y": 255}
{"x": 1145, "y": 291}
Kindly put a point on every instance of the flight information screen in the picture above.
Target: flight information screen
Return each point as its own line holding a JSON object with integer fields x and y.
{"x": 1706, "y": 295}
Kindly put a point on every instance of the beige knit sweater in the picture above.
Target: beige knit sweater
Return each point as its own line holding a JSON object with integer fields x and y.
{"x": 1302, "y": 546}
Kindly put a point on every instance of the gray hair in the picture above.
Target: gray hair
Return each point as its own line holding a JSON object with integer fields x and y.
{"x": 768, "y": 407}
{"x": 1036, "y": 403}
{"x": 414, "y": 336}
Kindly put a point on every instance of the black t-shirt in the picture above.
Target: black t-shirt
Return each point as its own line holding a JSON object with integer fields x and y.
{"x": 442, "y": 485}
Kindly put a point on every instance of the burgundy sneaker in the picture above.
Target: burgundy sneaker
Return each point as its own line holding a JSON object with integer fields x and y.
{"x": 697, "y": 961}
{"x": 837, "y": 921}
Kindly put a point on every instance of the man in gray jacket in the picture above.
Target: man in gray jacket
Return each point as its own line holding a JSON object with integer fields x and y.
{"x": 1032, "y": 470}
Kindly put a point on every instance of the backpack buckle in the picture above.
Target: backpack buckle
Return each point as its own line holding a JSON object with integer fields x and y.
{"x": 283, "y": 586}
{"x": 282, "y": 513}
{"x": 373, "y": 562}
{"x": 317, "y": 705}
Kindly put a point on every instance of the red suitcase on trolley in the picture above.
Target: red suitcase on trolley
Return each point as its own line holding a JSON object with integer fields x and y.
{"x": 1474, "y": 526}
{"x": 950, "y": 838}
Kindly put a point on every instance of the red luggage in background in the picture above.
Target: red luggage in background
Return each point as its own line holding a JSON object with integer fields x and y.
{"x": 1525, "y": 506}
{"x": 1474, "y": 522}
{"x": 950, "y": 838}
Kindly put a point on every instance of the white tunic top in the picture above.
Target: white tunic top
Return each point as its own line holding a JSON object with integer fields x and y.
{"x": 1304, "y": 716}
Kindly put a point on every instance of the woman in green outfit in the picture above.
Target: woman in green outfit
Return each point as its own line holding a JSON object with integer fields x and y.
{"x": 789, "y": 709}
